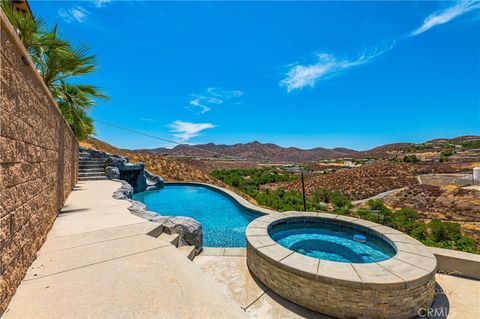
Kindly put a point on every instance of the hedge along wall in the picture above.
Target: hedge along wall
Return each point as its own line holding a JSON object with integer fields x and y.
{"x": 38, "y": 162}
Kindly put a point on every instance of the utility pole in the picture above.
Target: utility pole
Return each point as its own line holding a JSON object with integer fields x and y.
{"x": 303, "y": 190}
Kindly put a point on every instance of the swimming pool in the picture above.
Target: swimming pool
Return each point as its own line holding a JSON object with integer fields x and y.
{"x": 223, "y": 220}
{"x": 331, "y": 241}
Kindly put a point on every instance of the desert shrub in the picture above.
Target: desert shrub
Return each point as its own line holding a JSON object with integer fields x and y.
{"x": 467, "y": 244}
{"x": 444, "y": 231}
{"x": 436, "y": 233}
{"x": 419, "y": 231}
{"x": 384, "y": 215}
{"x": 405, "y": 219}
{"x": 410, "y": 158}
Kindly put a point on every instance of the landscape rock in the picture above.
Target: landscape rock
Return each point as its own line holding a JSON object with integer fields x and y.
{"x": 189, "y": 229}
{"x": 124, "y": 192}
{"x": 93, "y": 153}
{"x": 112, "y": 172}
{"x": 116, "y": 160}
{"x": 139, "y": 209}
{"x": 153, "y": 181}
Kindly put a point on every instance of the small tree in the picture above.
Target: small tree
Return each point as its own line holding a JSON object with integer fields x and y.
{"x": 411, "y": 158}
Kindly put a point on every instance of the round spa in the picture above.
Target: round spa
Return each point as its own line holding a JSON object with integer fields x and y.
{"x": 341, "y": 266}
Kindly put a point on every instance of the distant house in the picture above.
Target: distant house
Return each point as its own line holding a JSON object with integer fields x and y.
{"x": 348, "y": 162}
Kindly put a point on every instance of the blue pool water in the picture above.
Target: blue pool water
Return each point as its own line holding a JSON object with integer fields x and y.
{"x": 223, "y": 220}
{"x": 331, "y": 242}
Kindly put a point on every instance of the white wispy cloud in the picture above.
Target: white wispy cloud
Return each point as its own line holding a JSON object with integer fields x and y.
{"x": 326, "y": 67}
{"x": 78, "y": 14}
{"x": 101, "y": 3}
{"x": 146, "y": 119}
{"x": 224, "y": 94}
{"x": 213, "y": 96}
{"x": 204, "y": 102}
{"x": 184, "y": 131}
{"x": 446, "y": 15}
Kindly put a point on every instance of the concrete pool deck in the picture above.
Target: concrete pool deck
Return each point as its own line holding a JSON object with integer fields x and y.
{"x": 228, "y": 266}
{"x": 98, "y": 263}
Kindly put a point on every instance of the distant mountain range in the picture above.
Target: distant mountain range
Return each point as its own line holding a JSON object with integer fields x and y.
{"x": 275, "y": 153}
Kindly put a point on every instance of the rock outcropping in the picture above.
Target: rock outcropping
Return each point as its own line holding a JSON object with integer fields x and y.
{"x": 118, "y": 167}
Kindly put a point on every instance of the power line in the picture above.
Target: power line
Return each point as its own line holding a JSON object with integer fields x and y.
{"x": 266, "y": 159}
{"x": 166, "y": 140}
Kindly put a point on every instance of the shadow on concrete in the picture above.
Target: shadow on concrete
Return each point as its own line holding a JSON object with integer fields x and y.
{"x": 440, "y": 307}
{"x": 293, "y": 307}
{"x": 68, "y": 211}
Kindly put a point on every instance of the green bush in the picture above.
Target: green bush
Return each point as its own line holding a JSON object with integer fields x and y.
{"x": 444, "y": 231}
{"x": 436, "y": 233}
{"x": 467, "y": 244}
{"x": 410, "y": 158}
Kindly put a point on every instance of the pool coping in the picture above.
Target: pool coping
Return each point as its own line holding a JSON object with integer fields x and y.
{"x": 412, "y": 265}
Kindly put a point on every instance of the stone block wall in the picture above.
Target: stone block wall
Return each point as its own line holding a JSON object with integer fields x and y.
{"x": 38, "y": 162}
{"x": 340, "y": 300}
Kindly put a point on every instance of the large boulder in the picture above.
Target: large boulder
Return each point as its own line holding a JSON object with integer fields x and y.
{"x": 140, "y": 209}
{"x": 124, "y": 192}
{"x": 189, "y": 229}
{"x": 153, "y": 181}
{"x": 112, "y": 172}
{"x": 93, "y": 153}
{"x": 116, "y": 160}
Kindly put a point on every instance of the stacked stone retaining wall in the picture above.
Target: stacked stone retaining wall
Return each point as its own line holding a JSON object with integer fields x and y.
{"x": 38, "y": 162}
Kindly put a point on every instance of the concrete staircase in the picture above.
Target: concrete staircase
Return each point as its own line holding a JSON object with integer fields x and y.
{"x": 90, "y": 168}
{"x": 188, "y": 251}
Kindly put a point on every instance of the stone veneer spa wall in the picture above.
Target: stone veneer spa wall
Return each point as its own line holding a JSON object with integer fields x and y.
{"x": 394, "y": 288}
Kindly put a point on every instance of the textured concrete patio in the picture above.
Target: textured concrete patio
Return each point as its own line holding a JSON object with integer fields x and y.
{"x": 98, "y": 262}
{"x": 228, "y": 266}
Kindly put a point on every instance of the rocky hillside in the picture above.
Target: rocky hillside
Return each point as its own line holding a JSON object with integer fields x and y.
{"x": 272, "y": 153}
{"x": 443, "y": 202}
{"x": 359, "y": 182}
{"x": 255, "y": 151}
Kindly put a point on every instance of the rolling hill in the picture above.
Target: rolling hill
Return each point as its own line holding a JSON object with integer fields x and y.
{"x": 272, "y": 153}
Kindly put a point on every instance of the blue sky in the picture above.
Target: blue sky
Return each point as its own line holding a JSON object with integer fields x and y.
{"x": 304, "y": 74}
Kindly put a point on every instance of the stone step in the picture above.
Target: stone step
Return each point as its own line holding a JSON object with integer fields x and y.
{"x": 188, "y": 251}
{"x": 94, "y": 165}
{"x": 91, "y": 169}
{"x": 91, "y": 165}
{"x": 91, "y": 160}
{"x": 84, "y": 174}
{"x": 91, "y": 178}
{"x": 172, "y": 239}
{"x": 96, "y": 169}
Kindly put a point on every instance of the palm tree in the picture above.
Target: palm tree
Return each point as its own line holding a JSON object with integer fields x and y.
{"x": 74, "y": 102}
{"x": 29, "y": 30}
{"x": 57, "y": 61}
